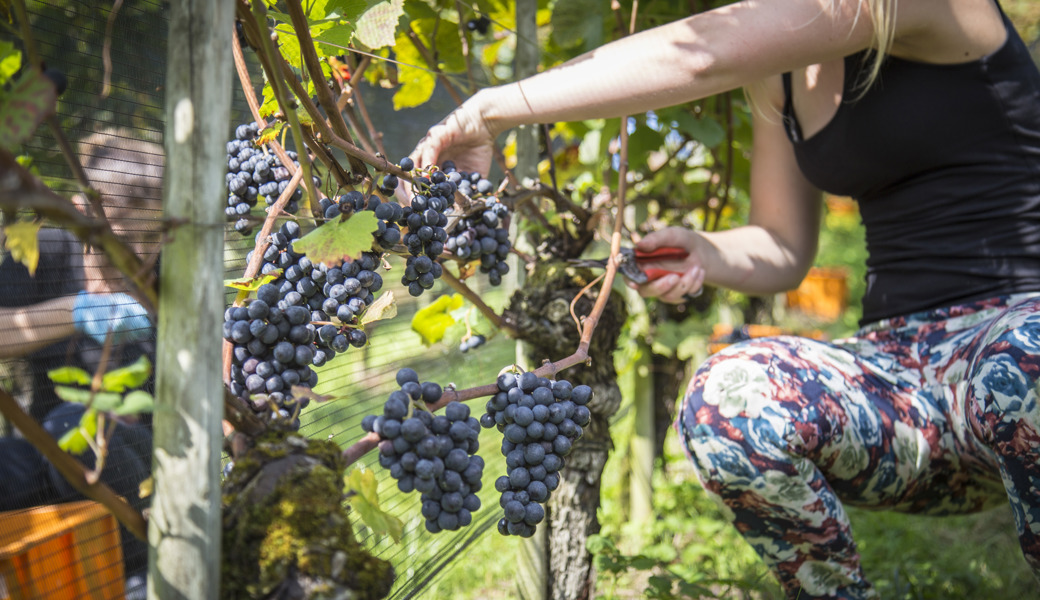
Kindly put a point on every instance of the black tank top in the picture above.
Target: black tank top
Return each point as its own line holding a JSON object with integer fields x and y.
{"x": 944, "y": 161}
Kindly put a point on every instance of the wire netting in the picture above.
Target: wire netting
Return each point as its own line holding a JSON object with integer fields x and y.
{"x": 112, "y": 114}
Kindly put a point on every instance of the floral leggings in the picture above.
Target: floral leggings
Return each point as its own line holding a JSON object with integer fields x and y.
{"x": 934, "y": 413}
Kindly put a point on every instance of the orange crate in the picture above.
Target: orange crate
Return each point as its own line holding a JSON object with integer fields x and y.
{"x": 824, "y": 293}
{"x": 58, "y": 552}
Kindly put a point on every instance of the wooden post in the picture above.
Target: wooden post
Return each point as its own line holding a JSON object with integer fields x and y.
{"x": 184, "y": 526}
{"x": 641, "y": 445}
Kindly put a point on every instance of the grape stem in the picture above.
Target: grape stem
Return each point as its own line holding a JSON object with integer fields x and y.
{"x": 460, "y": 286}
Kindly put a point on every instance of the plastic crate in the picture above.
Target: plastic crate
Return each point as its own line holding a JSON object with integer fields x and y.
{"x": 62, "y": 551}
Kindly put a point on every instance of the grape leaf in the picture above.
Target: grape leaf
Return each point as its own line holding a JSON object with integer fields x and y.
{"x": 75, "y": 440}
{"x": 24, "y": 107}
{"x": 128, "y": 377}
{"x": 366, "y": 501}
{"x": 578, "y": 21}
{"x": 67, "y": 375}
{"x": 338, "y": 36}
{"x": 135, "y": 403}
{"x": 705, "y": 129}
{"x": 431, "y": 322}
{"x": 104, "y": 401}
{"x": 416, "y": 84}
{"x": 21, "y": 242}
{"x": 376, "y": 26}
{"x": 337, "y": 240}
{"x": 270, "y": 132}
{"x": 253, "y": 284}
{"x": 385, "y": 307}
{"x": 10, "y": 61}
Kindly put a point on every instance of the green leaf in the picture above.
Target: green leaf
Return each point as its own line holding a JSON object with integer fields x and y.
{"x": 24, "y": 107}
{"x": 135, "y": 403}
{"x": 338, "y": 37}
{"x": 253, "y": 284}
{"x": 376, "y": 27}
{"x": 366, "y": 502}
{"x": 128, "y": 377}
{"x": 705, "y": 129}
{"x": 270, "y": 104}
{"x": 417, "y": 84}
{"x": 75, "y": 440}
{"x": 447, "y": 44}
{"x": 577, "y": 21}
{"x": 69, "y": 375}
{"x": 20, "y": 240}
{"x": 597, "y": 544}
{"x": 350, "y": 10}
{"x": 385, "y": 307}
{"x": 103, "y": 401}
{"x": 641, "y": 143}
{"x": 337, "y": 240}
{"x": 10, "y": 61}
{"x": 431, "y": 322}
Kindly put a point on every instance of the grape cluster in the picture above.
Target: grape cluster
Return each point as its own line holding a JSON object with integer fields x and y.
{"x": 252, "y": 173}
{"x": 482, "y": 236}
{"x": 302, "y": 319}
{"x": 425, "y": 218}
{"x": 540, "y": 420}
{"x": 472, "y": 342}
{"x": 435, "y": 455}
{"x": 387, "y": 214}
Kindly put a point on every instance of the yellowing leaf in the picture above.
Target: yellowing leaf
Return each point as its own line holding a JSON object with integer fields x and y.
{"x": 69, "y": 375}
{"x": 337, "y": 240}
{"x": 253, "y": 284}
{"x": 365, "y": 500}
{"x": 128, "y": 377}
{"x": 376, "y": 27}
{"x": 103, "y": 401}
{"x": 10, "y": 60}
{"x": 135, "y": 403}
{"x": 75, "y": 440}
{"x": 21, "y": 242}
{"x": 270, "y": 132}
{"x": 416, "y": 83}
{"x": 146, "y": 488}
{"x": 385, "y": 307}
{"x": 431, "y": 322}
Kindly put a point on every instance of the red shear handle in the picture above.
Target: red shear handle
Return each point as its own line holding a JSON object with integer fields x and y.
{"x": 660, "y": 254}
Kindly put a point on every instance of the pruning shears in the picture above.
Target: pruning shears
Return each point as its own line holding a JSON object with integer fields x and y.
{"x": 630, "y": 259}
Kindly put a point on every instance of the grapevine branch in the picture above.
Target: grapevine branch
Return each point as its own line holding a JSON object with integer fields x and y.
{"x": 549, "y": 369}
{"x": 460, "y": 287}
{"x": 310, "y": 59}
{"x": 71, "y": 469}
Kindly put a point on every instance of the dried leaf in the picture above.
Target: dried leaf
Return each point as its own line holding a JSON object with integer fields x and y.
{"x": 298, "y": 391}
{"x": 385, "y": 307}
{"x": 24, "y": 107}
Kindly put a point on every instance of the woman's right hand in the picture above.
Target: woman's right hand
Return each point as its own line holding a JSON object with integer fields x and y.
{"x": 688, "y": 274}
{"x": 462, "y": 137}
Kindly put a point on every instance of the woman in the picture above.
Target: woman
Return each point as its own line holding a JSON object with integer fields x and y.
{"x": 931, "y": 407}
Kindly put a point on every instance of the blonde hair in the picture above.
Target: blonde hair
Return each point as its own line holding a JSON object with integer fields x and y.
{"x": 883, "y": 17}
{"x": 882, "y": 14}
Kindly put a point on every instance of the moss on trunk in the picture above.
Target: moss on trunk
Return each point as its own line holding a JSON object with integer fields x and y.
{"x": 287, "y": 533}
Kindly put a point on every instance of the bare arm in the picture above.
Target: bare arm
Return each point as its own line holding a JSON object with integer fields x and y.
{"x": 28, "y": 328}
{"x": 693, "y": 58}
{"x": 775, "y": 249}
